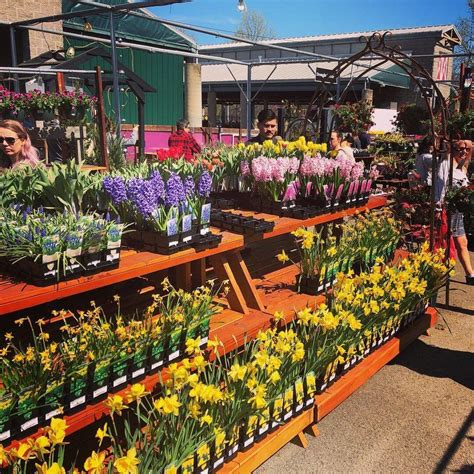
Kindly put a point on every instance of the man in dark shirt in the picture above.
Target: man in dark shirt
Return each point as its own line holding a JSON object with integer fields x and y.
{"x": 364, "y": 138}
{"x": 267, "y": 126}
{"x": 183, "y": 140}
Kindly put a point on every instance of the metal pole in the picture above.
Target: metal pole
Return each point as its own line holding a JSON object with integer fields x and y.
{"x": 101, "y": 117}
{"x": 115, "y": 78}
{"x": 16, "y": 84}
{"x": 338, "y": 84}
{"x": 249, "y": 100}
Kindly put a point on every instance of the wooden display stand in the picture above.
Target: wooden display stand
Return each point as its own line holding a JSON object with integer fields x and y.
{"x": 250, "y": 460}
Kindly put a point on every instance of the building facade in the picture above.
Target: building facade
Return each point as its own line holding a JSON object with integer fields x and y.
{"x": 290, "y": 77}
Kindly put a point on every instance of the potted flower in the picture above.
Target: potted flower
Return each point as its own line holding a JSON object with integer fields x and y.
{"x": 72, "y": 105}
{"x": 41, "y": 105}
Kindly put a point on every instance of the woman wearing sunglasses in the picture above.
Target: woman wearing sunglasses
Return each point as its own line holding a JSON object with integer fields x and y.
{"x": 15, "y": 146}
{"x": 461, "y": 156}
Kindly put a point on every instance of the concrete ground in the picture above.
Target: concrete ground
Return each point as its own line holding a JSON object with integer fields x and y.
{"x": 415, "y": 415}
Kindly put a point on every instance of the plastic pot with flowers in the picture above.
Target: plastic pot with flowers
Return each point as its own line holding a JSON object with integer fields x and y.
{"x": 97, "y": 354}
{"x": 161, "y": 210}
{"x": 45, "y": 248}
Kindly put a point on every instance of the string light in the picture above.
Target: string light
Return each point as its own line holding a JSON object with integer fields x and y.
{"x": 241, "y": 6}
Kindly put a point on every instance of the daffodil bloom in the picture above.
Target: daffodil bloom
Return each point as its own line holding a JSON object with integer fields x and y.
{"x": 101, "y": 434}
{"x": 94, "y": 464}
{"x": 55, "y": 468}
{"x": 136, "y": 392}
{"x": 3, "y": 456}
{"x": 40, "y": 445}
{"x": 168, "y": 405}
{"x": 23, "y": 452}
{"x": 58, "y": 424}
{"x": 115, "y": 404}
{"x": 237, "y": 372}
{"x": 206, "y": 419}
{"x": 283, "y": 257}
{"x": 127, "y": 464}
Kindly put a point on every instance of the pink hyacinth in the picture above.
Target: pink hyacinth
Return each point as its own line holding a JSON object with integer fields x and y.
{"x": 357, "y": 171}
{"x": 244, "y": 168}
{"x": 261, "y": 169}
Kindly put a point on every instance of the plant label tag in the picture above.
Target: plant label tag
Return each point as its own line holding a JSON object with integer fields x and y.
{"x": 120, "y": 380}
{"x": 218, "y": 462}
{"x": 235, "y": 449}
{"x": 385, "y": 338}
{"x": 248, "y": 441}
{"x": 113, "y": 255}
{"x": 188, "y": 238}
{"x": 347, "y": 365}
{"x": 320, "y": 287}
{"x": 206, "y": 214}
{"x": 138, "y": 372}
{"x": 99, "y": 391}
{"x": 205, "y": 231}
{"x": 52, "y": 413}
{"x": 186, "y": 223}
{"x": 156, "y": 364}
{"x": 205, "y": 471}
{"x": 333, "y": 376}
{"x": 29, "y": 424}
{"x": 366, "y": 351}
{"x": 309, "y": 402}
{"x": 263, "y": 429}
{"x": 78, "y": 401}
{"x": 5, "y": 435}
{"x": 173, "y": 355}
{"x": 172, "y": 227}
{"x": 374, "y": 343}
{"x": 204, "y": 340}
{"x": 299, "y": 407}
{"x": 323, "y": 386}
{"x": 288, "y": 415}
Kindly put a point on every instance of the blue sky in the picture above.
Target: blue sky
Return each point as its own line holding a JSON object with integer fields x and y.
{"x": 312, "y": 17}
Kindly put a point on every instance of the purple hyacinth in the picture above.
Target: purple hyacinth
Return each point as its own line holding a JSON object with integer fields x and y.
{"x": 175, "y": 194}
{"x": 115, "y": 188}
{"x": 142, "y": 196}
{"x": 158, "y": 185}
{"x": 189, "y": 186}
{"x": 204, "y": 184}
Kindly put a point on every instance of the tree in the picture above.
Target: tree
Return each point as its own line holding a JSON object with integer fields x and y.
{"x": 254, "y": 27}
{"x": 465, "y": 27}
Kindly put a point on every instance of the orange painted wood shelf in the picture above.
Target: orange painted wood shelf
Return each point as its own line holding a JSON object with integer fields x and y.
{"x": 261, "y": 451}
{"x": 285, "y": 225}
{"x": 15, "y": 296}
{"x": 358, "y": 375}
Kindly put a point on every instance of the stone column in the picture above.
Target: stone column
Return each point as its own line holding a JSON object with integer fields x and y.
{"x": 212, "y": 108}
{"x": 193, "y": 94}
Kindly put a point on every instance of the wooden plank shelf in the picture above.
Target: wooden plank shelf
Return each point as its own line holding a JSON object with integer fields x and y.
{"x": 16, "y": 296}
{"x": 358, "y": 375}
{"x": 263, "y": 450}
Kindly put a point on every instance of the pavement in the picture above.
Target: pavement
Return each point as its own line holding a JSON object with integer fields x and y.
{"x": 414, "y": 416}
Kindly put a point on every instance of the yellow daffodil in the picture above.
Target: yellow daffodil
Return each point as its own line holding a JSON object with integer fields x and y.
{"x": 283, "y": 257}
{"x": 127, "y": 464}
{"x": 137, "y": 391}
{"x": 168, "y": 405}
{"x": 94, "y": 464}
{"x": 115, "y": 404}
{"x": 55, "y": 468}
{"x": 101, "y": 434}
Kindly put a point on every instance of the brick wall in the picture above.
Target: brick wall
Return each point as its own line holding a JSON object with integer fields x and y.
{"x": 17, "y": 10}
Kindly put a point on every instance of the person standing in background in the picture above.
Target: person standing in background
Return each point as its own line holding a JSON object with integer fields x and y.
{"x": 183, "y": 140}
{"x": 15, "y": 146}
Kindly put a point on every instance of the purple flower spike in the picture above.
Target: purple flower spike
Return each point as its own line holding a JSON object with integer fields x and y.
{"x": 175, "y": 194}
{"x": 204, "y": 184}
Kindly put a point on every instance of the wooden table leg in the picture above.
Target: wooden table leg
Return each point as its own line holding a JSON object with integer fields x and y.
{"x": 183, "y": 276}
{"x": 313, "y": 430}
{"x": 240, "y": 270}
{"x": 224, "y": 272}
{"x": 198, "y": 272}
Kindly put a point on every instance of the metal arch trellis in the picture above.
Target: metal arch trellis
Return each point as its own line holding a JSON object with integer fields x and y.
{"x": 376, "y": 46}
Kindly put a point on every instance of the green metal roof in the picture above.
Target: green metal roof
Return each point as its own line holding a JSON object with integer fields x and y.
{"x": 130, "y": 27}
{"x": 387, "y": 78}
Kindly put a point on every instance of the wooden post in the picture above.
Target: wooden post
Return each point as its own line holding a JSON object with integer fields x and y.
{"x": 60, "y": 82}
{"x": 101, "y": 117}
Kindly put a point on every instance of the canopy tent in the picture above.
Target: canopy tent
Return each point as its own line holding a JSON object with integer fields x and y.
{"x": 140, "y": 28}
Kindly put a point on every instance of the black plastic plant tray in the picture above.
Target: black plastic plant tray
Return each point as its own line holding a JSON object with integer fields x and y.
{"x": 240, "y": 224}
{"x": 208, "y": 241}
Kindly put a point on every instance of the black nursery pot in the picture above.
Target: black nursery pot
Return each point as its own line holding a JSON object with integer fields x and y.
{"x": 309, "y": 285}
{"x": 37, "y": 273}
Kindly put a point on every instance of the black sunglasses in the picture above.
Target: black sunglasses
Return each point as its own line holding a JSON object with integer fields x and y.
{"x": 9, "y": 140}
